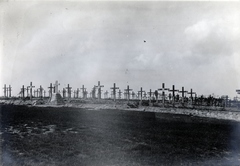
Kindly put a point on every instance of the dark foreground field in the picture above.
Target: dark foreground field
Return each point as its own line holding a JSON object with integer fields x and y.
{"x": 67, "y": 136}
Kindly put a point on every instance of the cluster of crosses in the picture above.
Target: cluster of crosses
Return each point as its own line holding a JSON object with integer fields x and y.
{"x": 116, "y": 93}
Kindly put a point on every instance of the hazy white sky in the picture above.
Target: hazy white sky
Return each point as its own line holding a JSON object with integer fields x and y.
{"x": 190, "y": 44}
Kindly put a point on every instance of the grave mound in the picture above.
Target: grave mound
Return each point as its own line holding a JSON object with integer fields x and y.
{"x": 56, "y": 99}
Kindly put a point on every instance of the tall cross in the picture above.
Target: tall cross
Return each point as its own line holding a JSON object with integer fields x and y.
{"x": 114, "y": 88}
{"x": 173, "y": 93}
{"x": 83, "y": 91}
{"x": 183, "y": 92}
{"x": 99, "y": 86}
{"x": 150, "y": 93}
{"x": 31, "y": 87}
{"x": 5, "y": 90}
{"x": 9, "y": 89}
{"x": 141, "y": 91}
{"x": 69, "y": 91}
{"x": 56, "y": 87}
{"x": 50, "y": 90}
{"x": 119, "y": 94}
{"x": 128, "y": 92}
{"x": 163, "y": 93}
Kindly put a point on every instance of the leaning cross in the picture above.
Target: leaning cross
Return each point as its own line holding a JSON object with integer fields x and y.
{"x": 128, "y": 92}
{"x": 31, "y": 87}
{"x": 114, "y": 91}
{"x": 99, "y": 86}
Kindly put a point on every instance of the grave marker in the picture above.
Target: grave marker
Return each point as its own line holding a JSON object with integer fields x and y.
{"x": 173, "y": 94}
{"x": 77, "y": 92}
{"x": 31, "y": 87}
{"x": 9, "y": 89}
{"x": 50, "y": 90}
{"x": 40, "y": 92}
{"x": 133, "y": 95}
{"x": 163, "y": 93}
{"x": 183, "y": 92}
{"x": 141, "y": 91}
{"x": 191, "y": 95}
{"x": 69, "y": 91}
{"x": 5, "y": 90}
{"x": 114, "y": 91}
{"x": 128, "y": 92}
{"x": 119, "y": 94}
{"x": 106, "y": 94}
{"x": 22, "y": 91}
{"x": 56, "y": 87}
{"x": 64, "y": 93}
{"x": 83, "y": 92}
{"x": 99, "y": 86}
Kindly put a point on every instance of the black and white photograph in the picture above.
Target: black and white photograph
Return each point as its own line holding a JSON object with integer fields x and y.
{"x": 119, "y": 83}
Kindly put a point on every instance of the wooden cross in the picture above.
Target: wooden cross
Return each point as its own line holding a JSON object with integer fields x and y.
{"x": 22, "y": 91}
{"x": 114, "y": 91}
{"x": 83, "y": 91}
{"x": 9, "y": 89}
{"x": 191, "y": 94}
{"x": 64, "y": 92}
{"x": 50, "y": 90}
{"x": 44, "y": 93}
{"x": 93, "y": 92}
{"x": 31, "y": 87}
{"x": 173, "y": 93}
{"x": 99, "y": 86}
{"x": 150, "y": 93}
{"x": 141, "y": 91}
{"x": 74, "y": 94}
{"x": 183, "y": 92}
{"x": 5, "y": 90}
{"x": 69, "y": 91}
{"x": 119, "y": 94}
{"x": 145, "y": 95}
{"x": 133, "y": 95}
{"x": 40, "y": 91}
{"x": 77, "y": 92}
{"x": 163, "y": 93}
{"x": 128, "y": 92}
{"x": 56, "y": 87}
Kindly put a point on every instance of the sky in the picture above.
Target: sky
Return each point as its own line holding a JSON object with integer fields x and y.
{"x": 140, "y": 44}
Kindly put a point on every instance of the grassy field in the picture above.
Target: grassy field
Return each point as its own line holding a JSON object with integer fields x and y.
{"x": 68, "y": 136}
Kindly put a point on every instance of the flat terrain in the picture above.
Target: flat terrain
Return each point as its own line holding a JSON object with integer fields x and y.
{"x": 73, "y": 136}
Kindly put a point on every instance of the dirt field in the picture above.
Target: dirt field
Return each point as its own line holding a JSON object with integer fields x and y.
{"x": 74, "y": 136}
